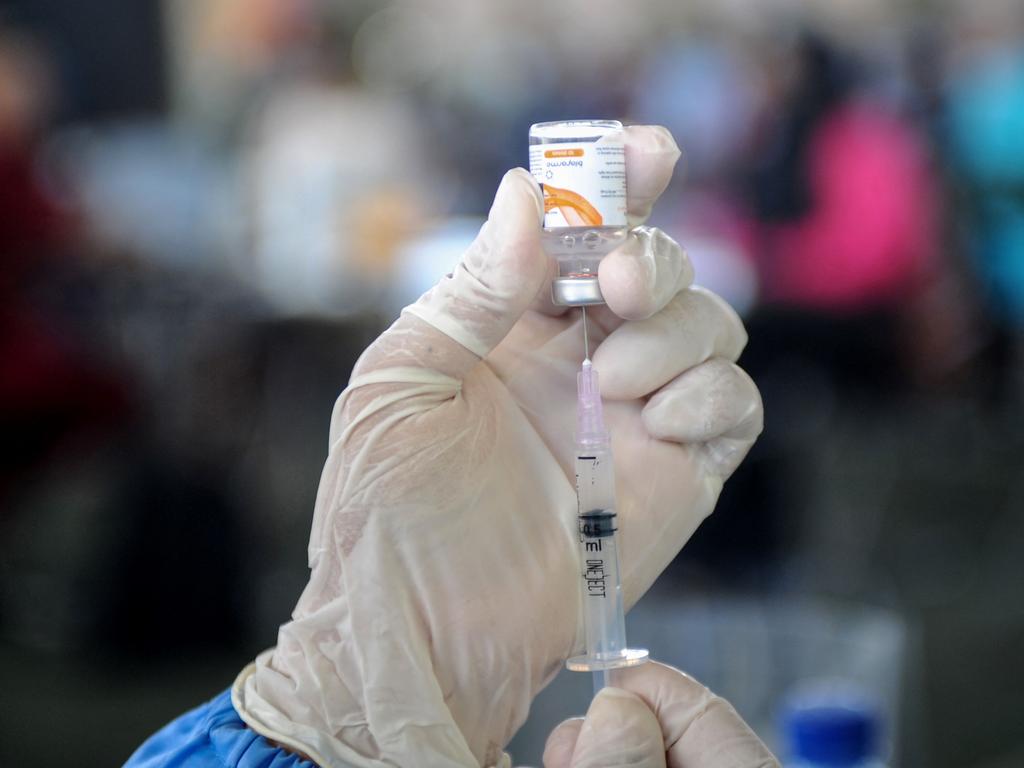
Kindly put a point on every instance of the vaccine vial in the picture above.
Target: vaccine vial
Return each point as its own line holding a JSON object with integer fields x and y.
{"x": 581, "y": 167}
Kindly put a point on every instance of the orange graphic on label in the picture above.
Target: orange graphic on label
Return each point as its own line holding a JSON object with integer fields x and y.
{"x": 563, "y": 153}
{"x": 578, "y": 212}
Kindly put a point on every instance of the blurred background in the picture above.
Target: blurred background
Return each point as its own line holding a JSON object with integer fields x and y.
{"x": 208, "y": 208}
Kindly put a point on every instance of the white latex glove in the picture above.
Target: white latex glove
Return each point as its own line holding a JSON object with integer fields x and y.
{"x": 656, "y": 717}
{"x": 444, "y": 589}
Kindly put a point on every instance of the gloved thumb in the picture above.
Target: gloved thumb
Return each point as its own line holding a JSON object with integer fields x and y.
{"x": 499, "y": 276}
{"x": 619, "y": 730}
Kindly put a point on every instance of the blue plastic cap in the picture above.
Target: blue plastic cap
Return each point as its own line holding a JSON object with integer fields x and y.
{"x": 832, "y": 735}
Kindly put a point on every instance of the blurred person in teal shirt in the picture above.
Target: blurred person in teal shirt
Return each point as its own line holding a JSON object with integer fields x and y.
{"x": 985, "y": 135}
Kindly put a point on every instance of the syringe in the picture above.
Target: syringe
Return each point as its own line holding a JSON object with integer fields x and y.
{"x": 603, "y": 615}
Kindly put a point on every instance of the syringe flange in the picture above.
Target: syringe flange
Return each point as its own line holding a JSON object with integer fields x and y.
{"x": 630, "y": 657}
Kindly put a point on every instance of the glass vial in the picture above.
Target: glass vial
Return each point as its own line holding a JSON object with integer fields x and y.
{"x": 581, "y": 167}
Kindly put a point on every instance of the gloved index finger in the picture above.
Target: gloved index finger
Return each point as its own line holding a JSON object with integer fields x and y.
{"x": 651, "y": 156}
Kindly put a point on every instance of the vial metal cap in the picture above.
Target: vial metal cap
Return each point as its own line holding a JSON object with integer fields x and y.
{"x": 576, "y": 291}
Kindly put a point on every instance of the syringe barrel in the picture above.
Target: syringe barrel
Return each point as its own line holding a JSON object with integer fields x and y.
{"x": 597, "y": 525}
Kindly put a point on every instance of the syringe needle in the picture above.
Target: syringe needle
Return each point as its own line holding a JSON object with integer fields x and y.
{"x": 586, "y": 340}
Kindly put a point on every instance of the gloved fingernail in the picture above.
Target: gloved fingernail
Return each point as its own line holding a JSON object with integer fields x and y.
{"x": 610, "y": 704}
{"x": 560, "y": 744}
{"x": 665, "y": 141}
{"x": 652, "y": 140}
{"x": 515, "y": 185}
{"x": 610, "y": 692}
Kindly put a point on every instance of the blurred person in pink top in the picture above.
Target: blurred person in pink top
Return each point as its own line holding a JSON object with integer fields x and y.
{"x": 844, "y": 193}
{"x": 844, "y": 206}
{"x": 866, "y": 239}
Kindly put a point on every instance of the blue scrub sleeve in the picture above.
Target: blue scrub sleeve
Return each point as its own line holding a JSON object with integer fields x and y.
{"x": 212, "y": 736}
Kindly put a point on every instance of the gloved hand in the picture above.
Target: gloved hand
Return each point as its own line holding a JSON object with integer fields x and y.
{"x": 654, "y": 717}
{"x": 444, "y": 589}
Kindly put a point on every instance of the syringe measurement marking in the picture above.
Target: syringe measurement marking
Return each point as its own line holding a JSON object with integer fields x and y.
{"x": 596, "y": 578}
{"x": 598, "y": 524}
{"x": 594, "y": 526}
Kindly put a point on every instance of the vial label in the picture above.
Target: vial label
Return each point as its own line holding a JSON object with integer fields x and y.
{"x": 584, "y": 184}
